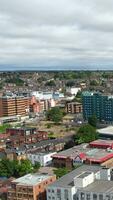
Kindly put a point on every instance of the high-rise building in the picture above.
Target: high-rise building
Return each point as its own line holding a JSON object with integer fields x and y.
{"x": 14, "y": 105}
{"x": 95, "y": 103}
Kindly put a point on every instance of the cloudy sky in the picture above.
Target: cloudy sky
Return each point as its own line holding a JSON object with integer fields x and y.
{"x": 35, "y": 34}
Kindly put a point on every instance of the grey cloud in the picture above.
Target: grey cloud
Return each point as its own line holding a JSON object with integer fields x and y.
{"x": 61, "y": 32}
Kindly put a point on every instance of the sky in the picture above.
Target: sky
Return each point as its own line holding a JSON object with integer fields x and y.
{"x": 56, "y": 34}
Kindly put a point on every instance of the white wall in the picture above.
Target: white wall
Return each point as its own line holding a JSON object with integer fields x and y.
{"x": 73, "y": 90}
{"x": 66, "y": 193}
{"x": 43, "y": 159}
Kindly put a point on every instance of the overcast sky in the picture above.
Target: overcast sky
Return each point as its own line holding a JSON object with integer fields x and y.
{"x": 56, "y": 33}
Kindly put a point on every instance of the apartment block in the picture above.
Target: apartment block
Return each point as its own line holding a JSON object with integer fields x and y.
{"x": 84, "y": 183}
{"x": 74, "y": 107}
{"x": 95, "y": 103}
{"x": 30, "y": 187}
{"x": 14, "y": 105}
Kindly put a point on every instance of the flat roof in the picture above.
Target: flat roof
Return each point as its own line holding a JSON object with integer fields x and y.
{"x": 84, "y": 174}
{"x": 73, "y": 152}
{"x": 102, "y": 142}
{"x": 101, "y": 186}
{"x": 85, "y": 152}
{"x": 31, "y": 179}
{"x": 108, "y": 130}
{"x": 67, "y": 180}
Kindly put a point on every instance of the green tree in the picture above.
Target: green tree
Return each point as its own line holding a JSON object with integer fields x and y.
{"x": 25, "y": 167}
{"x": 15, "y": 168}
{"x": 86, "y": 133}
{"x": 36, "y": 166}
{"x": 61, "y": 172}
{"x": 50, "y": 83}
{"x": 55, "y": 114}
{"x": 93, "y": 120}
{"x": 70, "y": 83}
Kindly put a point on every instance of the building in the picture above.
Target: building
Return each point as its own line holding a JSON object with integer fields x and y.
{"x": 39, "y": 106}
{"x": 44, "y": 158}
{"x": 103, "y": 144}
{"x": 52, "y": 145}
{"x": 74, "y": 107}
{"x": 30, "y": 186}
{"x": 81, "y": 154}
{"x": 73, "y": 90}
{"x": 14, "y": 105}
{"x": 84, "y": 183}
{"x": 24, "y": 135}
{"x": 95, "y": 103}
{"x": 106, "y": 133}
{"x": 47, "y": 95}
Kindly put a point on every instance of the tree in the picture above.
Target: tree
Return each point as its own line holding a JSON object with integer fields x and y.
{"x": 55, "y": 114}
{"x": 92, "y": 120}
{"x": 25, "y": 167}
{"x": 50, "y": 83}
{"x": 36, "y": 166}
{"x": 70, "y": 83}
{"x": 15, "y": 168}
{"x": 86, "y": 133}
{"x": 61, "y": 172}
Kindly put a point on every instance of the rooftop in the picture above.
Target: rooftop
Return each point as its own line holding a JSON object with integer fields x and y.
{"x": 67, "y": 180}
{"x": 107, "y": 130}
{"x": 102, "y": 142}
{"x": 31, "y": 179}
{"x": 101, "y": 186}
{"x": 84, "y": 174}
{"x": 85, "y": 152}
{"x": 73, "y": 152}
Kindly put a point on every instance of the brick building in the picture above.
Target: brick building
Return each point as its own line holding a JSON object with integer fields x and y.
{"x": 25, "y": 135}
{"x": 14, "y": 105}
{"x": 74, "y": 107}
{"x": 30, "y": 186}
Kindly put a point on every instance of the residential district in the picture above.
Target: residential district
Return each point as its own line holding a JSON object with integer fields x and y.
{"x": 56, "y": 136}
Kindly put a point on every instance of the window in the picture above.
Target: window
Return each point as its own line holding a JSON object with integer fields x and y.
{"x": 94, "y": 196}
{"x": 59, "y": 193}
{"x": 100, "y": 197}
{"x": 88, "y": 197}
{"x": 66, "y": 194}
{"x": 52, "y": 191}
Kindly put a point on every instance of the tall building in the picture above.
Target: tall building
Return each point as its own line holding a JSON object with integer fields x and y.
{"x": 14, "y": 105}
{"x": 30, "y": 187}
{"x": 95, "y": 103}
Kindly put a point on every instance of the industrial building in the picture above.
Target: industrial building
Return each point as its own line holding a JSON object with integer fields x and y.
{"x": 82, "y": 154}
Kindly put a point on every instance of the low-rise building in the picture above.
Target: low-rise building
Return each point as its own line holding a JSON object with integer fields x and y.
{"x": 30, "y": 186}
{"x": 73, "y": 90}
{"x": 84, "y": 183}
{"x": 74, "y": 107}
{"x": 24, "y": 135}
{"x": 43, "y": 158}
{"x": 81, "y": 154}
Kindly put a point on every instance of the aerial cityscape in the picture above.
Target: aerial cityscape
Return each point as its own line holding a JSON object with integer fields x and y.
{"x": 56, "y": 135}
{"x": 56, "y": 100}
